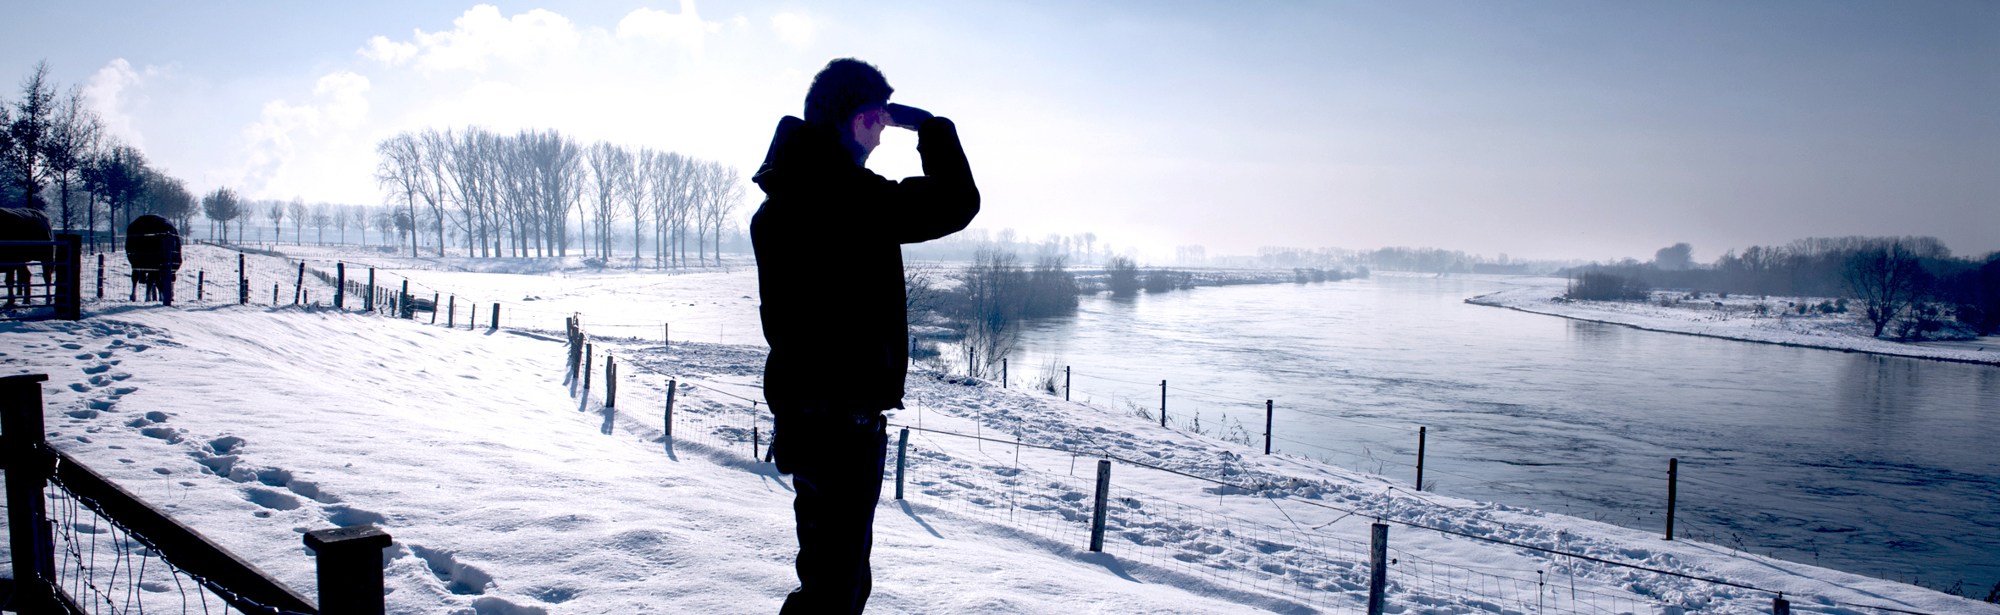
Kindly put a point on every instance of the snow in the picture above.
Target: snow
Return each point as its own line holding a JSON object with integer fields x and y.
{"x": 510, "y": 489}
{"x": 1735, "y": 317}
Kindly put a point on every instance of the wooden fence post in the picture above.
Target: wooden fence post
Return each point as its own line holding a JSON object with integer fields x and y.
{"x": 274, "y": 292}
{"x": 1065, "y": 383}
{"x": 1673, "y": 487}
{"x": 371, "y": 289}
{"x": 472, "y": 320}
{"x": 1378, "y": 561}
{"x": 100, "y": 275}
{"x": 586, "y": 367}
{"x": 434, "y": 308}
{"x": 350, "y": 569}
{"x": 243, "y": 282}
{"x": 299, "y": 289}
{"x": 200, "y": 283}
{"x": 29, "y": 465}
{"x": 403, "y": 301}
{"x": 1781, "y": 606}
{"x": 610, "y": 381}
{"x": 1420, "y": 458}
{"x": 1103, "y": 494}
{"x": 666, "y": 335}
{"x": 671, "y": 385}
{"x": 1163, "y": 403}
{"x": 1003, "y": 372}
{"x": 340, "y": 286}
{"x": 902, "y": 453}
{"x": 496, "y": 316}
{"x": 1267, "y": 426}
{"x": 451, "y": 313}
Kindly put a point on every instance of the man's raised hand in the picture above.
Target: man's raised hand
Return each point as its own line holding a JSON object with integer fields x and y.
{"x": 906, "y": 116}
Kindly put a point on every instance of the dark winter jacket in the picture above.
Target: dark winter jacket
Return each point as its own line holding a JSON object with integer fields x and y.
{"x": 830, "y": 262}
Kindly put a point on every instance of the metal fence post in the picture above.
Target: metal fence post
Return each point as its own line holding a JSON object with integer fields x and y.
{"x": 29, "y": 465}
{"x": 350, "y": 569}
{"x": 902, "y": 451}
{"x": 1673, "y": 487}
{"x": 1267, "y": 427}
{"x": 1420, "y": 458}
{"x": 1103, "y": 494}
{"x": 1378, "y": 561}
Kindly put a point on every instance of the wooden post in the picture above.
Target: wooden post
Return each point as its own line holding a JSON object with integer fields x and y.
{"x": 274, "y": 292}
{"x": 1065, "y": 383}
{"x": 1003, "y": 372}
{"x": 472, "y": 320}
{"x": 1163, "y": 403}
{"x": 1378, "y": 560}
{"x": 586, "y": 367}
{"x": 243, "y": 282}
{"x": 666, "y": 335}
{"x": 299, "y": 289}
{"x": 371, "y": 288}
{"x": 496, "y": 316}
{"x": 902, "y": 452}
{"x": 200, "y": 280}
{"x": 1420, "y": 458}
{"x": 340, "y": 286}
{"x": 1673, "y": 479}
{"x": 29, "y": 465}
{"x": 100, "y": 275}
{"x": 1097, "y": 516}
{"x": 754, "y": 437}
{"x": 451, "y": 313}
{"x": 1781, "y": 606}
{"x": 1267, "y": 426}
{"x": 68, "y": 293}
{"x": 671, "y": 385}
{"x": 350, "y": 569}
{"x": 434, "y": 308}
{"x": 610, "y": 381}
{"x": 403, "y": 301}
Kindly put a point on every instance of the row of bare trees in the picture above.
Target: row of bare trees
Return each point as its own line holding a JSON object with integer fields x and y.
{"x": 515, "y": 194}
{"x": 56, "y": 156}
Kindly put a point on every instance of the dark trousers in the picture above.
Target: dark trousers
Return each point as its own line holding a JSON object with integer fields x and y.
{"x": 835, "y": 459}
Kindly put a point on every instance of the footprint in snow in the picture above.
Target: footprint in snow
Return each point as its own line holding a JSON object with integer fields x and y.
{"x": 458, "y": 578}
{"x": 79, "y": 387}
{"x": 86, "y": 356}
{"x": 99, "y": 404}
{"x": 73, "y": 346}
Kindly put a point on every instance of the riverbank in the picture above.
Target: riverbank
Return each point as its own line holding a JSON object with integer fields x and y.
{"x": 1738, "y": 318}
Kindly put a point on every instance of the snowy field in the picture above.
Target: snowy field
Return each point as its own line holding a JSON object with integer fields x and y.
{"x": 511, "y": 489}
{"x": 1736, "y": 317}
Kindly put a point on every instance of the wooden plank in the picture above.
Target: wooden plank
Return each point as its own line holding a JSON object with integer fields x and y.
{"x": 179, "y": 544}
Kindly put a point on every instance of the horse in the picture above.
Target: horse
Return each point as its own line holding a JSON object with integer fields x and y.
{"x": 153, "y": 246}
{"x": 23, "y": 224}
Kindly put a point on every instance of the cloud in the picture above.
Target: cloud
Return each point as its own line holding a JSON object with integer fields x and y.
{"x": 685, "y": 29}
{"x": 477, "y": 38}
{"x": 113, "y": 91}
{"x": 794, "y": 29}
{"x": 273, "y": 140}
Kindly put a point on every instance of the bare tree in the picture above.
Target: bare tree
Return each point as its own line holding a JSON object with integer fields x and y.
{"x": 296, "y": 209}
{"x": 724, "y": 192}
{"x": 632, "y": 189}
{"x": 1887, "y": 281}
{"x": 118, "y": 176}
{"x": 322, "y": 217}
{"x": 275, "y": 212}
{"x": 609, "y": 165}
{"x": 221, "y": 206}
{"x": 74, "y": 136}
{"x": 664, "y": 183}
{"x": 400, "y": 170}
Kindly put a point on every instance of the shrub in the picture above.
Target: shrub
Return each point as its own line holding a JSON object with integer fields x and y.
{"x": 1597, "y": 286}
{"x": 1123, "y": 276}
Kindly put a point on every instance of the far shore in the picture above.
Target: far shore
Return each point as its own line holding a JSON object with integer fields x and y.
{"x": 1736, "y": 318}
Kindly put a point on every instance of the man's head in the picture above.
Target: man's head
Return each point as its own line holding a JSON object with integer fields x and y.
{"x": 847, "y": 96}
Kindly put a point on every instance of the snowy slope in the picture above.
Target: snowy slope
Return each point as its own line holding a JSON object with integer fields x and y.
{"x": 511, "y": 490}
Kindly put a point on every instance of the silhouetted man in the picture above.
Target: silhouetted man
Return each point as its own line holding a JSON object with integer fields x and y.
{"x": 830, "y": 269}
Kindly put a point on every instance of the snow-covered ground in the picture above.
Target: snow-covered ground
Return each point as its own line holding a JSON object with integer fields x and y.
{"x": 510, "y": 489}
{"x": 1737, "y": 317}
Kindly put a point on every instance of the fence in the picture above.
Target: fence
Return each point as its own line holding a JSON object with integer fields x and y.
{"x": 81, "y": 544}
{"x": 59, "y": 292}
{"x": 1024, "y": 488}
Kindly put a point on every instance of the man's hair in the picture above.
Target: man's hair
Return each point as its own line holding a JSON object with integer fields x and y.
{"x": 842, "y": 89}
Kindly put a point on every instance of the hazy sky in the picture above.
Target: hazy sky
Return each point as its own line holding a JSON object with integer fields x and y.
{"x": 1538, "y": 129}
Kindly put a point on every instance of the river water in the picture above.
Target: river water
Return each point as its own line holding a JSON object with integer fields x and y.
{"x": 1875, "y": 465}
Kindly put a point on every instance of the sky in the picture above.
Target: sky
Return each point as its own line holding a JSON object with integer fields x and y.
{"x": 1538, "y": 129}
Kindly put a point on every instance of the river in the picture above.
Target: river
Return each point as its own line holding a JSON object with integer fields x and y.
{"x": 1875, "y": 465}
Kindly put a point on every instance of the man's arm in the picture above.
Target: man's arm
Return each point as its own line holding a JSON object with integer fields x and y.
{"x": 942, "y": 201}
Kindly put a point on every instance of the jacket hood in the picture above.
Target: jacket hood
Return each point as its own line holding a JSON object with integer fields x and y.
{"x": 795, "y": 148}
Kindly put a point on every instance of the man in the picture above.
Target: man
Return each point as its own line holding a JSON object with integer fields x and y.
{"x": 830, "y": 270}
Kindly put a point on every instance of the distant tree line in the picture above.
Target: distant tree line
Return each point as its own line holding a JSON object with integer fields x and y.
{"x": 514, "y": 194}
{"x": 1906, "y": 286}
{"x": 56, "y": 157}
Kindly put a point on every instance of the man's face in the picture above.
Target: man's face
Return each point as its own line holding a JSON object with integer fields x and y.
{"x": 868, "y": 127}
